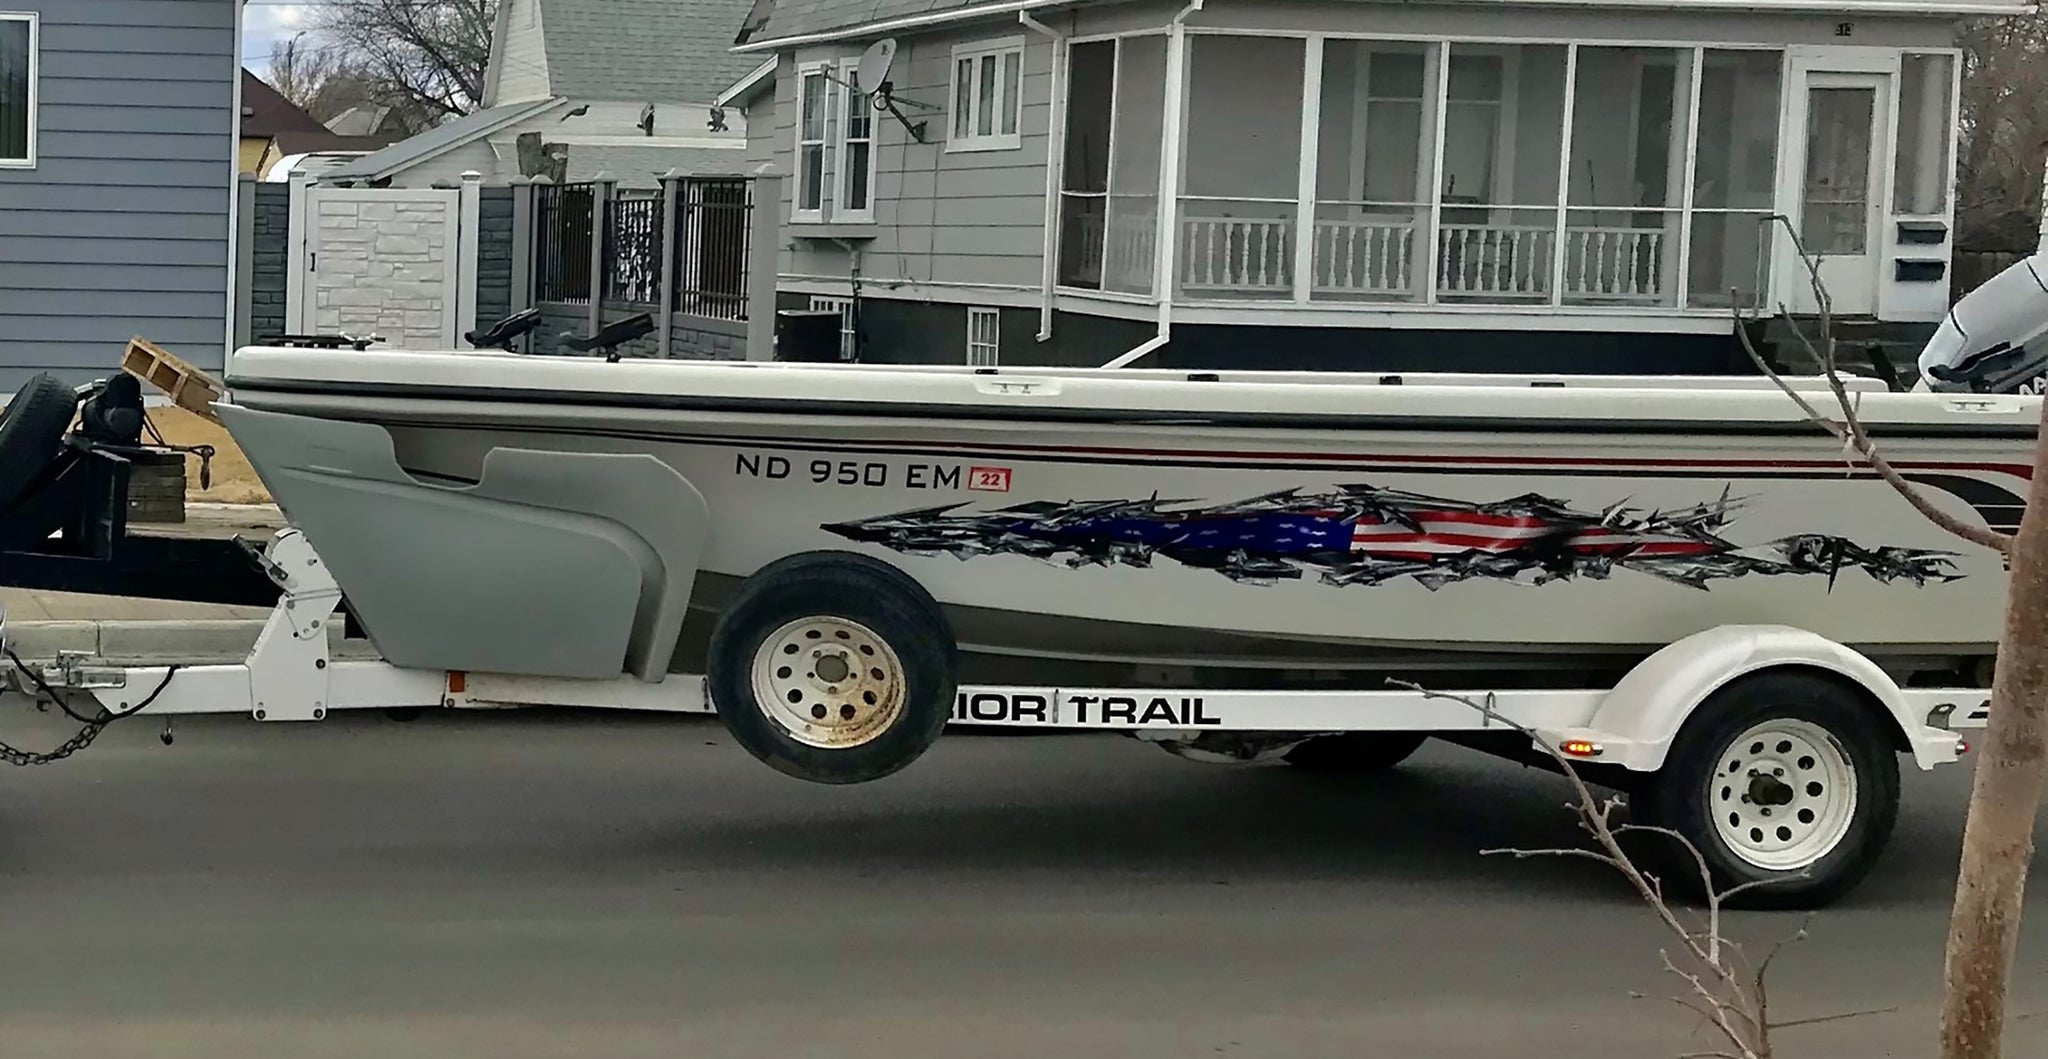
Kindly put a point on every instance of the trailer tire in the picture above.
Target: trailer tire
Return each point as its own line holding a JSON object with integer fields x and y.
{"x": 32, "y": 433}
{"x": 1784, "y": 782}
{"x": 871, "y": 673}
{"x": 1355, "y": 751}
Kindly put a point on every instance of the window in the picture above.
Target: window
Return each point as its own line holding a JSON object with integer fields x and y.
{"x": 1239, "y": 217}
{"x": 1631, "y": 107}
{"x": 1735, "y": 178}
{"x": 1109, "y": 194}
{"x": 1372, "y": 205}
{"x": 813, "y": 107}
{"x": 17, "y": 91}
{"x": 987, "y": 82}
{"x": 835, "y": 147}
{"x": 854, "y": 200}
{"x": 849, "y": 339}
{"x": 1926, "y": 97}
{"x": 984, "y": 336}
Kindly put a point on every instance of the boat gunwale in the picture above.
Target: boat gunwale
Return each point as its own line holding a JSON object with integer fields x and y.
{"x": 993, "y": 412}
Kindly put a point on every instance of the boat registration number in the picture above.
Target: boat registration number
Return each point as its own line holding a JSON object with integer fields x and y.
{"x": 873, "y": 474}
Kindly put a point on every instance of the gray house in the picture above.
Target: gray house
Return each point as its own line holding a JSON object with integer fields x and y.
{"x": 622, "y": 87}
{"x": 117, "y": 167}
{"x": 1364, "y": 184}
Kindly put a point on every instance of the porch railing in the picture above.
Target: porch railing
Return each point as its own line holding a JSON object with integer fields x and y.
{"x": 1254, "y": 256}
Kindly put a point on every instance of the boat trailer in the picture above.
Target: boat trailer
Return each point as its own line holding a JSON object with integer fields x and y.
{"x": 64, "y": 528}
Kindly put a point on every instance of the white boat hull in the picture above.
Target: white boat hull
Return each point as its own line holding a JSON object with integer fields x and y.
{"x": 1134, "y": 541}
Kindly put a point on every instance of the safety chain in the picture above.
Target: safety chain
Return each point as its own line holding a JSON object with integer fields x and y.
{"x": 93, "y": 725}
{"x": 84, "y": 738}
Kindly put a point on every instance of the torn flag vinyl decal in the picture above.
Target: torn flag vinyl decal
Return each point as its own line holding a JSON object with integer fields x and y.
{"x": 1364, "y": 535}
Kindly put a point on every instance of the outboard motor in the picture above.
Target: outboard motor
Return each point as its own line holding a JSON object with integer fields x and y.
{"x": 1994, "y": 340}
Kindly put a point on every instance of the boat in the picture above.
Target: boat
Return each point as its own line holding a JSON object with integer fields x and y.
{"x": 1272, "y": 525}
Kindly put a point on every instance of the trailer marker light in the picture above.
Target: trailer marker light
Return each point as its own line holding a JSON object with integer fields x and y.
{"x": 1581, "y": 748}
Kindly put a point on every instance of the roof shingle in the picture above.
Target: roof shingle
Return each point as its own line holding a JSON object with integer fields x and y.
{"x": 651, "y": 51}
{"x": 773, "y": 20}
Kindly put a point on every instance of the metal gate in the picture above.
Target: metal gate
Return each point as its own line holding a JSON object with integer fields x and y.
{"x": 398, "y": 264}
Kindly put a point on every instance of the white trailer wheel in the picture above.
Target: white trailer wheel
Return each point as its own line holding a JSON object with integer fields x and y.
{"x": 830, "y": 682}
{"x": 832, "y": 667}
{"x": 1783, "y": 795}
{"x": 1784, "y": 782}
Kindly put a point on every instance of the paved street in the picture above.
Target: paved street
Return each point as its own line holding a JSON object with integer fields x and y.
{"x": 596, "y": 886}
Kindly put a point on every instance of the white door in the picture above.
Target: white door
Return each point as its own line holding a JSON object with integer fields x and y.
{"x": 1841, "y": 181}
{"x": 379, "y": 261}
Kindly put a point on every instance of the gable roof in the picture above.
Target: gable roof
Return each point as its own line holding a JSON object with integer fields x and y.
{"x": 440, "y": 139}
{"x": 643, "y": 51}
{"x": 780, "y": 23}
{"x": 760, "y": 78}
{"x": 266, "y": 112}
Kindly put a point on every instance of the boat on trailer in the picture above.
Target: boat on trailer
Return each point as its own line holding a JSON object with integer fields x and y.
{"x": 1680, "y": 584}
{"x": 1257, "y": 522}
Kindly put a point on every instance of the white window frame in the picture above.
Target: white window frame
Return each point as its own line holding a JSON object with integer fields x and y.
{"x": 984, "y": 354}
{"x": 996, "y": 140}
{"x": 34, "y": 77}
{"x": 824, "y": 144}
{"x": 838, "y": 154}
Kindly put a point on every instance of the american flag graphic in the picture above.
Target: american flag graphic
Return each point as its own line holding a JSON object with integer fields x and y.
{"x": 1430, "y": 534}
{"x": 1368, "y": 535}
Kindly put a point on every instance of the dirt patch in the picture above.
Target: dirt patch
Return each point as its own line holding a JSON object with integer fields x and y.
{"x": 234, "y": 481}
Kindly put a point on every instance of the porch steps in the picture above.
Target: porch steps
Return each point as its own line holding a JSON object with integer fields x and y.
{"x": 1858, "y": 343}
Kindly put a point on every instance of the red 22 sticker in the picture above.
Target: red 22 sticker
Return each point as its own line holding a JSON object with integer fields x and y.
{"x": 989, "y": 479}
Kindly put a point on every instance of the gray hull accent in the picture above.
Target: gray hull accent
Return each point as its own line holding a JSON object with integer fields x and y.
{"x": 560, "y": 564}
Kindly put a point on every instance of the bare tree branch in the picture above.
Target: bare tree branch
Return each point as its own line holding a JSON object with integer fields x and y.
{"x": 1721, "y": 997}
{"x": 1837, "y": 1017}
{"x": 427, "y": 59}
{"x": 1850, "y": 430}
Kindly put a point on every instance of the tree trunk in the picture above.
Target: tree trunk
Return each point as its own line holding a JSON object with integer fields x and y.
{"x": 1998, "y": 838}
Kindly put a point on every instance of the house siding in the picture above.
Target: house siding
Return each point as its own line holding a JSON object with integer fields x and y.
{"x": 523, "y": 70}
{"x": 121, "y": 229}
{"x": 448, "y": 168}
{"x": 959, "y": 218}
{"x": 765, "y": 141}
{"x": 968, "y": 228}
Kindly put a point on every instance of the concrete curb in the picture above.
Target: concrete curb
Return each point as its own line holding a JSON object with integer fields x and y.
{"x": 187, "y": 642}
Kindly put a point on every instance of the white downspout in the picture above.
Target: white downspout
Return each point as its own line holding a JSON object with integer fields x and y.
{"x": 1055, "y": 155}
{"x": 1169, "y": 185}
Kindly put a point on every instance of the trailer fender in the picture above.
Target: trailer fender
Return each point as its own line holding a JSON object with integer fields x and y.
{"x": 1636, "y": 721}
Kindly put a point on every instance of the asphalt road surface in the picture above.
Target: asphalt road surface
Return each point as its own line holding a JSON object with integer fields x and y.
{"x": 593, "y": 886}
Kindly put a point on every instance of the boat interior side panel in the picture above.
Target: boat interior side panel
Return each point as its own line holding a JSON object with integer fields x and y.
{"x": 483, "y": 576}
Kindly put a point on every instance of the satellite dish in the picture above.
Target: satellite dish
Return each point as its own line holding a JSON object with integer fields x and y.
{"x": 874, "y": 64}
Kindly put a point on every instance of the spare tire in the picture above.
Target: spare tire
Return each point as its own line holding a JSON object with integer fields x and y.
{"x": 32, "y": 434}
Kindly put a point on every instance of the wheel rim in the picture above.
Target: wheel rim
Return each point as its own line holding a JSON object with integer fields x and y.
{"x": 1783, "y": 795}
{"x": 828, "y": 682}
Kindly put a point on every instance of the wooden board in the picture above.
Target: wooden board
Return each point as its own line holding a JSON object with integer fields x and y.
{"x": 188, "y": 387}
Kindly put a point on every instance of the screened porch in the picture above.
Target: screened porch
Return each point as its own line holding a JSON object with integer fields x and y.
{"x": 1339, "y": 171}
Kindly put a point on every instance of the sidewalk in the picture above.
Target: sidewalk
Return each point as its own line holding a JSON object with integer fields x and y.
{"x": 41, "y": 623}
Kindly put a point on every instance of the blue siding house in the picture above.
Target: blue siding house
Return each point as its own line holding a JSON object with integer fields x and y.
{"x": 117, "y": 170}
